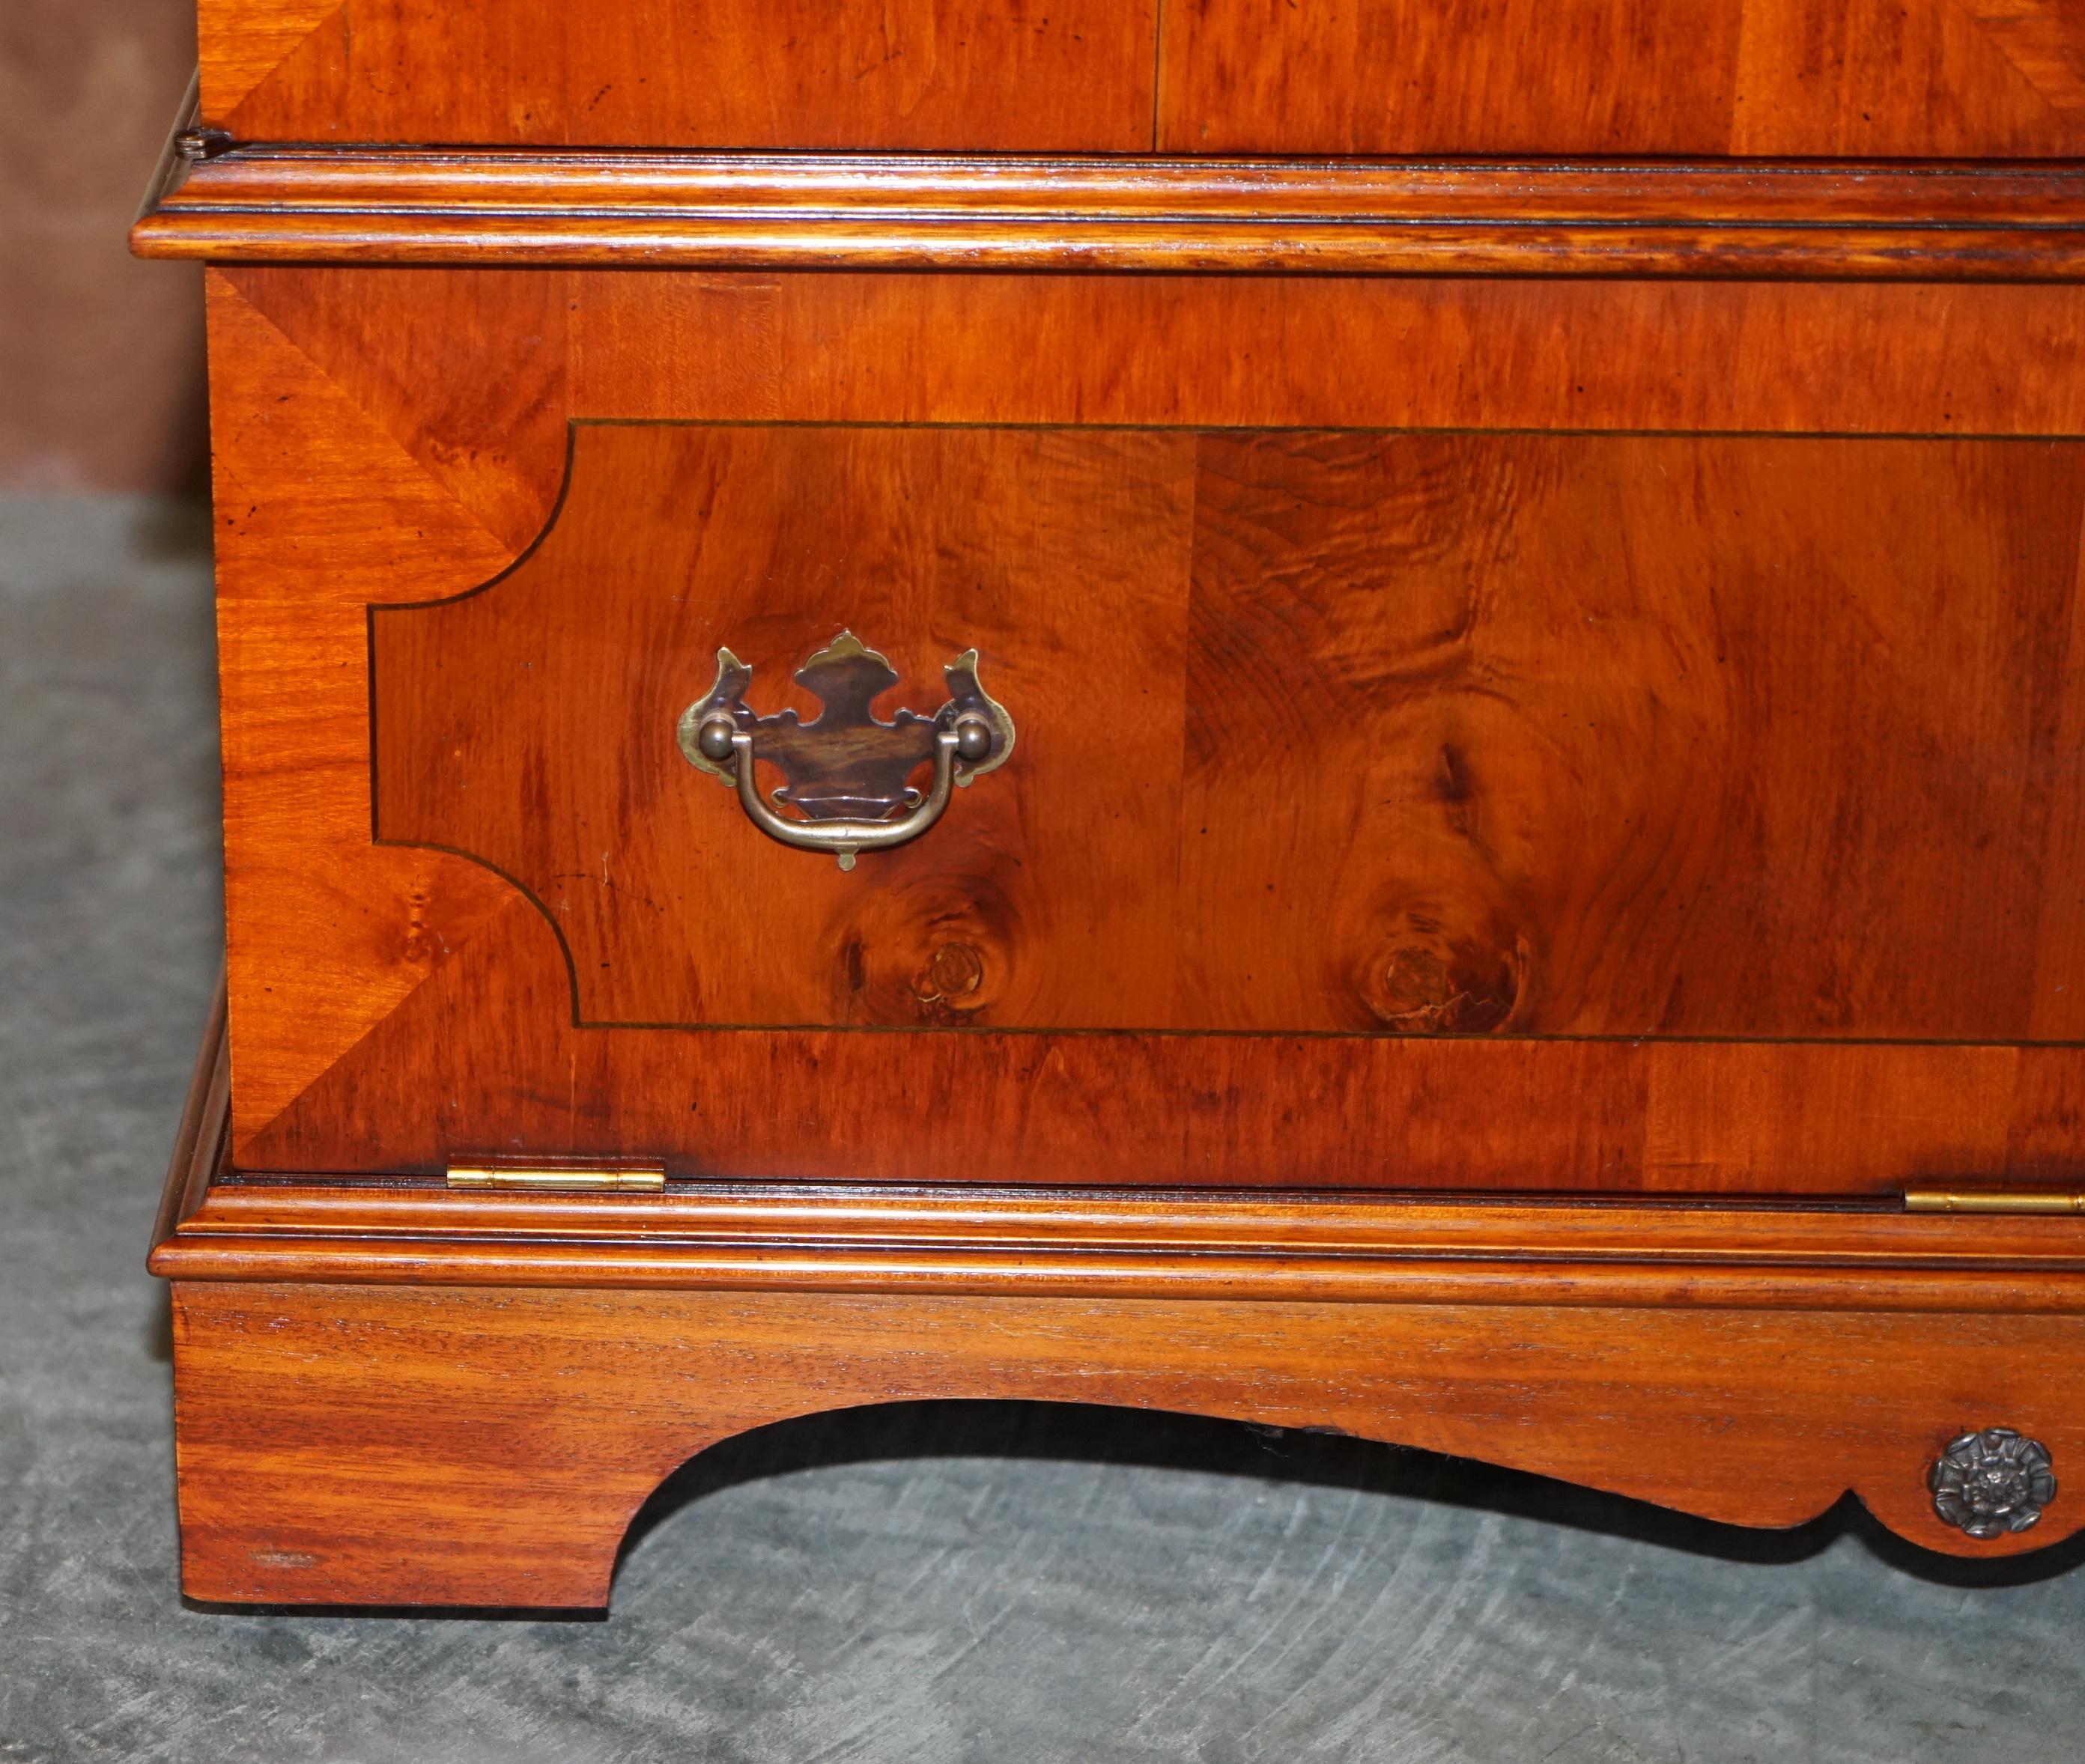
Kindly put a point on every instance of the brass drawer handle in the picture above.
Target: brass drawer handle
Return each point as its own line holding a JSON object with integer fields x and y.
{"x": 846, "y": 769}
{"x": 843, "y": 838}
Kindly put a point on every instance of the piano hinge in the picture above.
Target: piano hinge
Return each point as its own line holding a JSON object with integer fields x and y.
{"x": 1941, "y": 1200}
{"x": 641, "y": 1178}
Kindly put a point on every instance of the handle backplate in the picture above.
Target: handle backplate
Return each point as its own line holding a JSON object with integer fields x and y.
{"x": 846, "y": 770}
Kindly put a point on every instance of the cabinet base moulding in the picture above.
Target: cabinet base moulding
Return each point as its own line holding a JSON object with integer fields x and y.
{"x": 490, "y": 1446}
{"x": 404, "y": 1396}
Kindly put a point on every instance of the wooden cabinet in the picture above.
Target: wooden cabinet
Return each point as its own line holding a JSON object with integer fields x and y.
{"x": 1529, "y": 760}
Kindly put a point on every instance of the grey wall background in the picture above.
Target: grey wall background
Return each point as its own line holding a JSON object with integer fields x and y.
{"x": 100, "y": 356}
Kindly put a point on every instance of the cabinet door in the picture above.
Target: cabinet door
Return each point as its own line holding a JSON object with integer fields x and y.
{"x": 1474, "y": 809}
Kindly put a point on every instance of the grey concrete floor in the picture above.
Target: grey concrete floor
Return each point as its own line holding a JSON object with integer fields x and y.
{"x": 940, "y": 1582}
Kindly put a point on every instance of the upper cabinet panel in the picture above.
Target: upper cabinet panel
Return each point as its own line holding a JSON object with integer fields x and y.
{"x": 985, "y": 75}
{"x": 1938, "y": 78}
{"x": 1968, "y": 79}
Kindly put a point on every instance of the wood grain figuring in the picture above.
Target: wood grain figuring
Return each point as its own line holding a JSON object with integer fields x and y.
{"x": 217, "y": 1224}
{"x": 1901, "y": 74}
{"x": 313, "y": 500}
{"x": 240, "y": 41}
{"x": 1592, "y": 752}
{"x": 1309, "y": 352}
{"x": 988, "y": 75}
{"x": 1044, "y": 890}
{"x": 1524, "y": 735}
{"x": 483, "y": 1446}
{"x": 395, "y": 205}
{"x": 1688, "y": 1118}
{"x": 1972, "y": 78}
{"x": 1240, "y": 351}
{"x": 1547, "y": 795}
{"x": 1895, "y": 77}
{"x": 2040, "y": 39}
{"x": 1279, "y": 1112}
{"x": 353, "y": 470}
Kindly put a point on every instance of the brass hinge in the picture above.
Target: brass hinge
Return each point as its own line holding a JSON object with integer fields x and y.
{"x": 1941, "y": 1200}
{"x": 622, "y": 1178}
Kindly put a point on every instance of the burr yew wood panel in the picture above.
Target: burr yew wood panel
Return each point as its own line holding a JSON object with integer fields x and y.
{"x": 381, "y": 441}
{"x": 1924, "y": 78}
{"x": 402, "y": 436}
{"x": 1321, "y": 732}
{"x": 532, "y": 725}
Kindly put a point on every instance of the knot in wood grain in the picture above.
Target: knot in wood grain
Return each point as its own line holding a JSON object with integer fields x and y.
{"x": 953, "y": 972}
{"x": 1418, "y": 989}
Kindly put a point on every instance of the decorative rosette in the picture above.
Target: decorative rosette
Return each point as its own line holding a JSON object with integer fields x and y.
{"x": 1992, "y": 1482}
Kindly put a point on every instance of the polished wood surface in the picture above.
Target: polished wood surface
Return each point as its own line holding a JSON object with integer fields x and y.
{"x": 2004, "y": 78}
{"x": 380, "y": 442}
{"x": 484, "y": 1445}
{"x": 960, "y": 1106}
{"x": 984, "y": 75}
{"x": 1548, "y": 773}
{"x": 1321, "y": 730}
{"x": 794, "y": 211}
{"x": 1887, "y": 78}
{"x": 1120, "y": 1244}
{"x": 1062, "y": 556}
{"x": 217, "y": 1224}
{"x": 399, "y": 1396}
{"x": 1315, "y": 1245}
